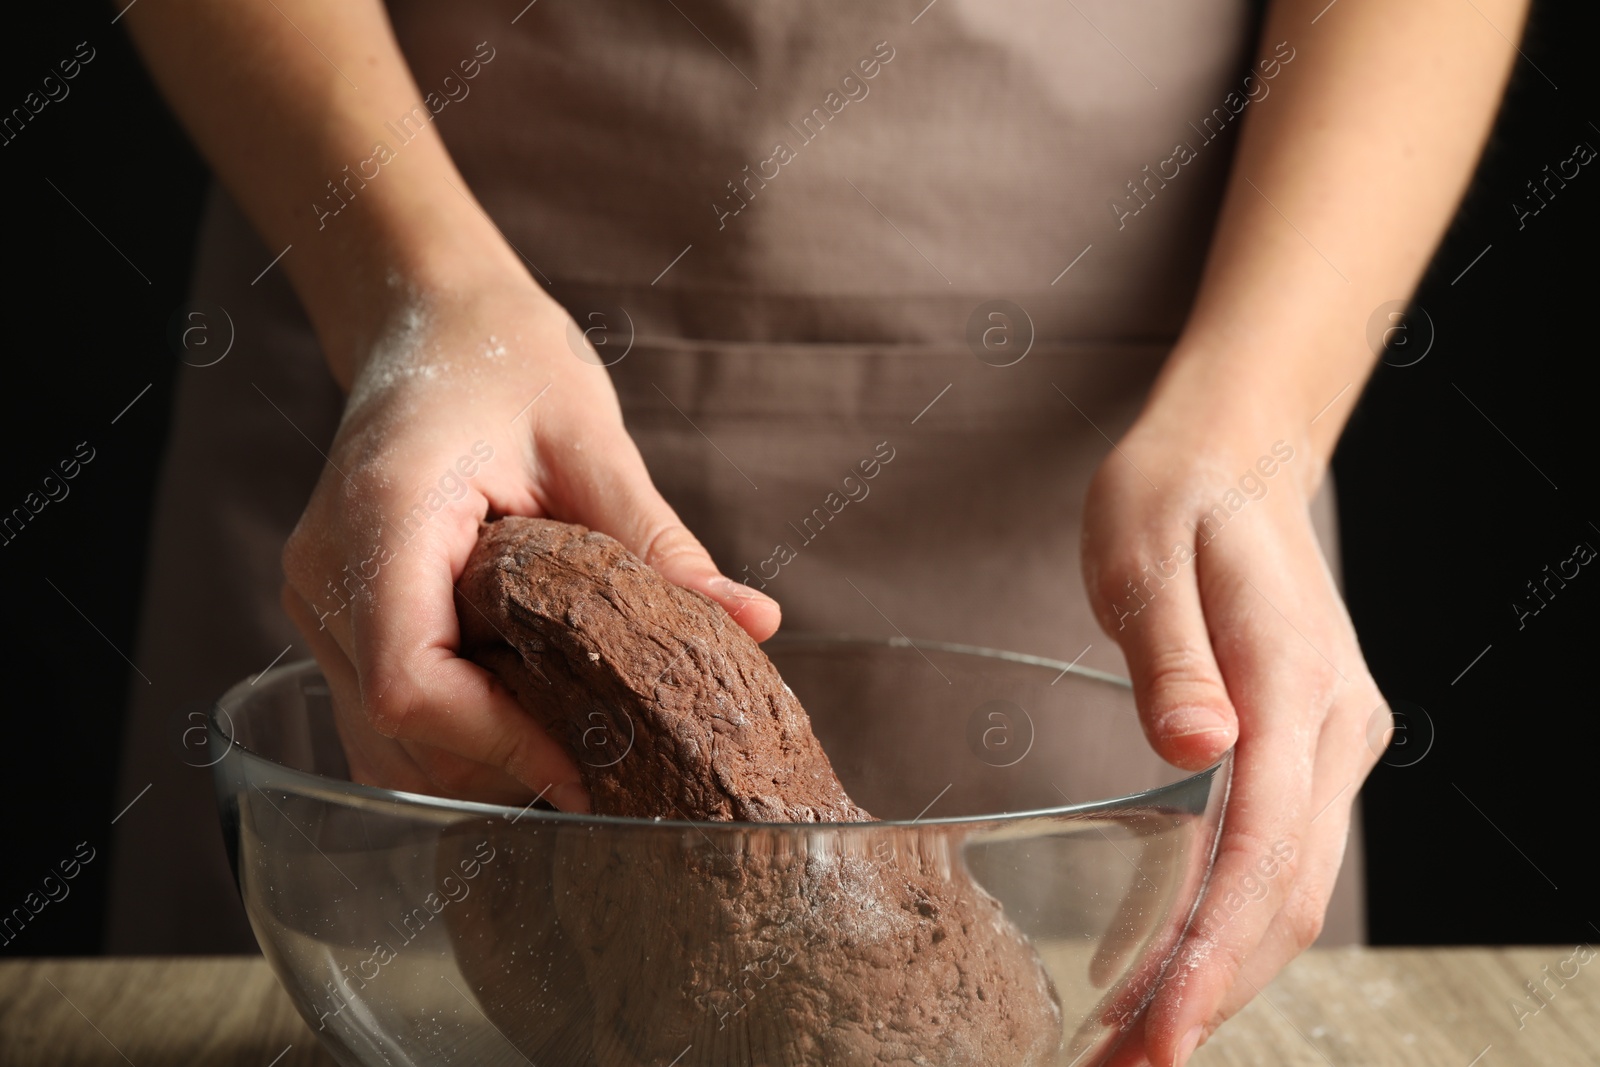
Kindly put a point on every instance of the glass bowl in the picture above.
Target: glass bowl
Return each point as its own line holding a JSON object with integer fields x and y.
{"x": 417, "y": 930}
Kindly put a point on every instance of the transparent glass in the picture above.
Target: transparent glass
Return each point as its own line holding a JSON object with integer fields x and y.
{"x": 417, "y": 930}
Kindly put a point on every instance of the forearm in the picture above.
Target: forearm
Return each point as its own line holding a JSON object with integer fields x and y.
{"x": 289, "y": 101}
{"x": 1345, "y": 179}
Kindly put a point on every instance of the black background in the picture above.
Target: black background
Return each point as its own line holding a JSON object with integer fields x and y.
{"x": 1448, "y": 509}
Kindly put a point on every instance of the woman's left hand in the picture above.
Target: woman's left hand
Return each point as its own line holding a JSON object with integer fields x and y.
{"x": 1201, "y": 561}
{"x": 1342, "y": 183}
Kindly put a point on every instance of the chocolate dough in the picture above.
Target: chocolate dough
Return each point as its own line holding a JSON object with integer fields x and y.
{"x": 815, "y": 946}
{"x": 671, "y": 709}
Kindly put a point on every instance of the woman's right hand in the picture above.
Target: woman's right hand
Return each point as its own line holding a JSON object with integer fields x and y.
{"x": 442, "y": 381}
{"x": 471, "y": 402}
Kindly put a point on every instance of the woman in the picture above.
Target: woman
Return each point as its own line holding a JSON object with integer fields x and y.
{"x": 968, "y": 243}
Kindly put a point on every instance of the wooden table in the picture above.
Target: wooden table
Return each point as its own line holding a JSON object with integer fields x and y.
{"x": 1445, "y": 1007}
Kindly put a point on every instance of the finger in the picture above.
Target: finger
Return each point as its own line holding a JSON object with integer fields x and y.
{"x": 1298, "y": 922}
{"x": 1153, "y": 611}
{"x": 617, "y": 497}
{"x": 386, "y": 762}
{"x": 1282, "y": 686}
{"x": 415, "y": 688}
{"x": 1290, "y": 932}
{"x": 1130, "y": 1051}
{"x": 1140, "y": 908}
{"x": 373, "y": 759}
{"x": 322, "y": 586}
{"x": 1343, "y": 761}
{"x": 1157, "y": 958}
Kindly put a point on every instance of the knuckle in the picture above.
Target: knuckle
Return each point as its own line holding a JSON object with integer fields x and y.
{"x": 1216, "y": 947}
{"x": 1114, "y": 482}
{"x": 394, "y": 709}
{"x": 1237, "y": 849}
{"x": 297, "y": 560}
{"x": 1303, "y": 917}
{"x": 1378, "y": 731}
{"x": 669, "y": 541}
{"x": 1112, "y": 579}
{"x": 450, "y": 773}
{"x": 1183, "y": 674}
{"x": 1251, "y": 855}
{"x": 1322, "y": 679}
{"x": 509, "y": 752}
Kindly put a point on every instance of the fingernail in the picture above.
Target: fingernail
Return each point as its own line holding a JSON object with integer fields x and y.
{"x": 1186, "y": 1047}
{"x": 729, "y": 587}
{"x": 1191, "y": 723}
{"x": 570, "y": 796}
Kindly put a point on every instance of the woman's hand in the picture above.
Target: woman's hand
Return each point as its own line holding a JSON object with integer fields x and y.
{"x": 1342, "y": 184}
{"x": 470, "y": 403}
{"x": 1202, "y": 563}
{"x": 466, "y": 397}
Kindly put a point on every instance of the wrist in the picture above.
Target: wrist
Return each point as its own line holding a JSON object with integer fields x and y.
{"x": 1246, "y": 392}
{"x": 366, "y": 273}
{"x": 1222, "y": 411}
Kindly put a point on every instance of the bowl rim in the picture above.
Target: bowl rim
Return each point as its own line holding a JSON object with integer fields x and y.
{"x": 341, "y": 791}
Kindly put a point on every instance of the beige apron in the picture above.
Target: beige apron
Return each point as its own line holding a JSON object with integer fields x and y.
{"x": 789, "y": 226}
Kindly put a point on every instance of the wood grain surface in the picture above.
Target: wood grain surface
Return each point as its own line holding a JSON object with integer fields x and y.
{"x": 1400, "y": 1007}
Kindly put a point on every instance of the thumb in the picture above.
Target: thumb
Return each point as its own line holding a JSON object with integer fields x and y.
{"x": 622, "y": 501}
{"x": 1183, "y": 702}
